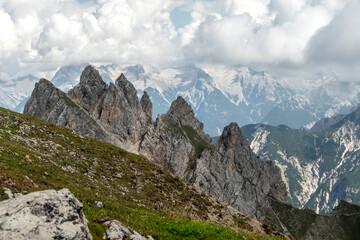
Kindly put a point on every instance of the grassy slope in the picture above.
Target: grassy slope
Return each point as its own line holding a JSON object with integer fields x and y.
{"x": 35, "y": 155}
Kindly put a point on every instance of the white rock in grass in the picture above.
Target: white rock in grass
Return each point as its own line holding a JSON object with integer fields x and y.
{"x": 43, "y": 215}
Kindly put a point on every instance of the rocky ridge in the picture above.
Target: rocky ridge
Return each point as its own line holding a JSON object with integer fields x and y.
{"x": 175, "y": 140}
{"x": 112, "y": 184}
{"x": 240, "y": 169}
{"x": 342, "y": 223}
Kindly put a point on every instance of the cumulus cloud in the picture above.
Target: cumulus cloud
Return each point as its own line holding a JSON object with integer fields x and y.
{"x": 45, "y": 34}
{"x": 42, "y": 35}
{"x": 339, "y": 41}
{"x": 265, "y": 33}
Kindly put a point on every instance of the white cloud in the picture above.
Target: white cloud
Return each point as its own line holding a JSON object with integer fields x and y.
{"x": 339, "y": 41}
{"x": 7, "y": 36}
{"x": 44, "y": 34}
{"x": 260, "y": 32}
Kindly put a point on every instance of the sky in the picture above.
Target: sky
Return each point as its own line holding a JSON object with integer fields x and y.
{"x": 306, "y": 38}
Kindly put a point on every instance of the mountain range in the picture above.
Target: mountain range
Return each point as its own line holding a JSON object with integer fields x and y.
{"x": 320, "y": 166}
{"x": 176, "y": 140}
{"x": 14, "y": 93}
{"x": 227, "y": 170}
{"x": 218, "y": 95}
{"x": 228, "y": 94}
{"x": 304, "y": 110}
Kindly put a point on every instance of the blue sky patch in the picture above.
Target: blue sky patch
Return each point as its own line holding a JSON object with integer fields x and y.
{"x": 180, "y": 18}
{"x": 83, "y": 1}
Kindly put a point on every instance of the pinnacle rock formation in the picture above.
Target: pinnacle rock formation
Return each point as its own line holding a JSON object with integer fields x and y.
{"x": 52, "y": 105}
{"x": 173, "y": 141}
{"x": 234, "y": 174}
{"x": 181, "y": 113}
{"x": 88, "y": 92}
{"x": 228, "y": 170}
{"x": 109, "y": 113}
{"x": 146, "y": 104}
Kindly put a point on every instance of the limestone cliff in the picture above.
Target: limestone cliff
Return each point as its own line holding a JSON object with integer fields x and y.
{"x": 228, "y": 170}
{"x": 52, "y": 105}
{"x": 235, "y": 175}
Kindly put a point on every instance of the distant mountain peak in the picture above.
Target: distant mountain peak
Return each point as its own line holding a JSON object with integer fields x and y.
{"x": 91, "y": 76}
{"x": 180, "y": 111}
{"x": 120, "y": 79}
{"x": 229, "y": 137}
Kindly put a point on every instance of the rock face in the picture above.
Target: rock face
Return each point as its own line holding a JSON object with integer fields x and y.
{"x": 43, "y": 215}
{"x": 235, "y": 175}
{"x": 109, "y": 113}
{"x": 90, "y": 89}
{"x": 180, "y": 113}
{"x": 228, "y": 170}
{"x": 52, "y": 105}
{"x": 176, "y": 140}
{"x": 146, "y": 104}
{"x": 320, "y": 167}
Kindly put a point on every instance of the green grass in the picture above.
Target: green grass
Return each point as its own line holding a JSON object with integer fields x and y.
{"x": 134, "y": 191}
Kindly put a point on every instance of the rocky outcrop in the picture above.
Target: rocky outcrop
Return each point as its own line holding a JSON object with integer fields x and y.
{"x": 52, "y": 105}
{"x": 176, "y": 140}
{"x": 234, "y": 174}
{"x": 146, "y": 104}
{"x": 168, "y": 145}
{"x": 117, "y": 231}
{"x": 181, "y": 113}
{"x": 109, "y": 113}
{"x": 228, "y": 170}
{"x": 89, "y": 91}
{"x": 43, "y": 215}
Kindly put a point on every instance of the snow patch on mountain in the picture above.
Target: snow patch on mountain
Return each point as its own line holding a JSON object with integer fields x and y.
{"x": 331, "y": 98}
{"x": 259, "y": 140}
{"x": 14, "y": 91}
{"x": 309, "y": 176}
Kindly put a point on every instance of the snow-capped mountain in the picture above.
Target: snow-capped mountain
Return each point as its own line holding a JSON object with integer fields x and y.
{"x": 320, "y": 168}
{"x": 332, "y": 98}
{"x": 255, "y": 92}
{"x": 15, "y": 91}
{"x": 218, "y": 96}
{"x": 68, "y": 76}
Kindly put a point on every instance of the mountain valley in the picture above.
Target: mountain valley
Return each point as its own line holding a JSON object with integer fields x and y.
{"x": 320, "y": 166}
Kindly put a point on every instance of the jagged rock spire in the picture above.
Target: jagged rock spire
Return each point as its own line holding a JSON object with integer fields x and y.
{"x": 44, "y": 95}
{"x": 146, "y": 104}
{"x": 88, "y": 92}
{"x": 233, "y": 173}
{"x": 128, "y": 89}
{"x": 182, "y": 114}
{"x": 91, "y": 76}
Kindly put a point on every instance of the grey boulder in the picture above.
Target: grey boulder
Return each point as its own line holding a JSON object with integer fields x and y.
{"x": 43, "y": 215}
